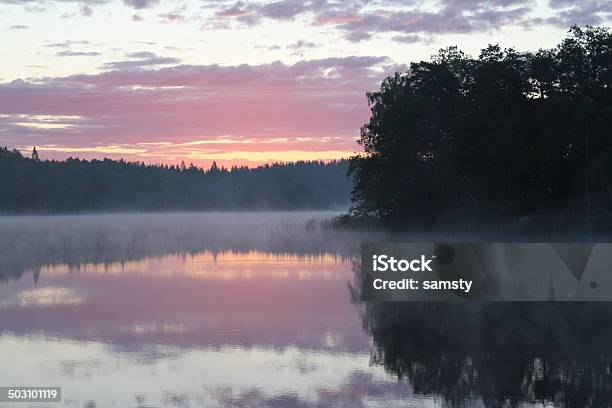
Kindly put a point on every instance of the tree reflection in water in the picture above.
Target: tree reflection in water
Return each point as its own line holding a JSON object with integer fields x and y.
{"x": 503, "y": 354}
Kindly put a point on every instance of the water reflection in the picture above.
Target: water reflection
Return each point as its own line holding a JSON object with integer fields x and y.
{"x": 186, "y": 310}
{"x": 242, "y": 298}
{"x": 221, "y": 376}
{"x": 497, "y": 354}
{"x": 256, "y": 310}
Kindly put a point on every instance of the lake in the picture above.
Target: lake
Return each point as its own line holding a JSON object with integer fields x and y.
{"x": 260, "y": 310}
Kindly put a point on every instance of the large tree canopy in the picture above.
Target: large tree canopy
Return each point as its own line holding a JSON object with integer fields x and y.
{"x": 504, "y": 136}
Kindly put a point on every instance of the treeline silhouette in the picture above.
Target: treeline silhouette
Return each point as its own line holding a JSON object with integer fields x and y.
{"x": 29, "y": 185}
{"x": 506, "y": 138}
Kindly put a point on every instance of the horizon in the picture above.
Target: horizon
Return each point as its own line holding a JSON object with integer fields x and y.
{"x": 213, "y": 81}
{"x": 28, "y": 155}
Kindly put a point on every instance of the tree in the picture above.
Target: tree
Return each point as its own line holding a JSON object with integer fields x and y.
{"x": 35, "y": 155}
{"x": 505, "y": 136}
{"x": 213, "y": 167}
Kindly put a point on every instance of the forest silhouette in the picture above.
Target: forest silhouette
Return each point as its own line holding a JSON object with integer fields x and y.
{"x": 30, "y": 185}
{"x": 505, "y": 138}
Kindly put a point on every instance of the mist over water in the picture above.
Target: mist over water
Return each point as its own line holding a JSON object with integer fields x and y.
{"x": 258, "y": 310}
{"x": 31, "y": 241}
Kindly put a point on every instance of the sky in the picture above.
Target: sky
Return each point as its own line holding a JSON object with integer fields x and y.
{"x": 236, "y": 82}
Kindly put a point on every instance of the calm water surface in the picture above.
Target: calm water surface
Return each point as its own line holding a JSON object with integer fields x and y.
{"x": 258, "y": 310}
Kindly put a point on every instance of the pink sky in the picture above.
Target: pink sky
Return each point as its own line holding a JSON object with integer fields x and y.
{"x": 197, "y": 113}
{"x": 239, "y": 82}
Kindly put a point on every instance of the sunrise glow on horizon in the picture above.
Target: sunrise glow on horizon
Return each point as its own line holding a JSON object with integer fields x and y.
{"x": 236, "y": 82}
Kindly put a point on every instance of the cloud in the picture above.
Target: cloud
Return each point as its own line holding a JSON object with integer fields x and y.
{"x": 139, "y": 60}
{"x": 316, "y": 105}
{"x": 37, "y": 6}
{"x": 358, "y": 36}
{"x": 236, "y": 10}
{"x": 141, "y": 54}
{"x": 173, "y": 18}
{"x": 86, "y": 10}
{"x": 585, "y": 12}
{"x": 301, "y": 44}
{"x": 251, "y": 13}
{"x": 450, "y": 19}
{"x": 29, "y": 2}
{"x": 140, "y": 4}
{"x": 67, "y": 43}
{"x": 360, "y": 20}
{"x": 273, "y": 47}
{"x": 69, "y": 53}
{"x": 279, "y": 10}
{"x": 177, "y": 16}
{"x": 333, "y": 17}
{"x": 407, "y": 39}
{"x": 288, "y": 9}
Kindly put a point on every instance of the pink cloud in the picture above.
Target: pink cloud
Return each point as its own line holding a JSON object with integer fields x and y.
{"x": 335, "y": 17}
{"x": 310, "y": 105}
